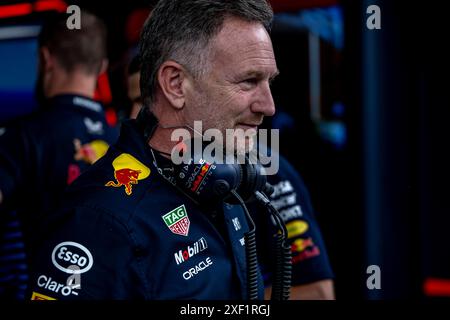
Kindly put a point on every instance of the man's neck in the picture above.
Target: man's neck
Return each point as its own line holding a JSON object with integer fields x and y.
{"x": 76, "y": 83}
{"x": 161, "y": 140}
{"x": 168, "y": 122}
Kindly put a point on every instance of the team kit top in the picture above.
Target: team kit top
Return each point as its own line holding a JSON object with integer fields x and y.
{"x": 40, "y": 155}
{"x": 125, "y": 232}
{"x": 43, "y": 153}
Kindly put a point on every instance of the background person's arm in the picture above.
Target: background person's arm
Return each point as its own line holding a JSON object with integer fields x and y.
{"x": 319, "y": 290}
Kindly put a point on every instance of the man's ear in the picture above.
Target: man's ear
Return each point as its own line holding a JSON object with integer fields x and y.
{"x": 104, "y": 66}
{"x": 46, "y": 59}
{"x": 170, "y": 79}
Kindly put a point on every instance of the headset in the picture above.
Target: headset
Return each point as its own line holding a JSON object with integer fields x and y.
{"x": 209, "y": 181}
{"x": 204, "y": 181}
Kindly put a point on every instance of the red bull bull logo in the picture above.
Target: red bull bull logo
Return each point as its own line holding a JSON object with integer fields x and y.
{"x": 127, "y": 171}
{"x": 303, "y": 249}
{"x": 90, "y": 152}
{"x": 300, "y": 245}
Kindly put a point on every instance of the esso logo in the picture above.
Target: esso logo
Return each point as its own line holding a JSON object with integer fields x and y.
{"x": 71, "y": 257}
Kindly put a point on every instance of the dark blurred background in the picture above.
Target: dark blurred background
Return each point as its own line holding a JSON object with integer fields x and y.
{"x": 363, "y": 116}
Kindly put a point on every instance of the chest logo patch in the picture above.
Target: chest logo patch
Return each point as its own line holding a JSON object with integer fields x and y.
{"x": 127, "y": 171}
{"x": 177, "y": 221}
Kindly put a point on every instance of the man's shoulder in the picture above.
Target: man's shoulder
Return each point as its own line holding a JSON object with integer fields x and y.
{"x": 119, "y": 183}
{"x": 286, "y": 171}
{"x": 58, "y": 121}
{"x": 38, "y": 119}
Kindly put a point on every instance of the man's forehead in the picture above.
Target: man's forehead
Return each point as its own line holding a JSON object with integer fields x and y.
{"x": 236, "y": 31}
{"x": 240, "y": 41}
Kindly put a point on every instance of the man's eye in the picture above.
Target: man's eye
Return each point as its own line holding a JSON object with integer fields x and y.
{"x": 249, "y": 83}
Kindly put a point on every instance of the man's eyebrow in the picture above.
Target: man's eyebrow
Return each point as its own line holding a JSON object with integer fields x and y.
{"x": 259, "y": 74}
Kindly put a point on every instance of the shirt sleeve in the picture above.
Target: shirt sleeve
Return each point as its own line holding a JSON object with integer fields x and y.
{"x": 87, "y": 254}
{"x": 310, "y": 261}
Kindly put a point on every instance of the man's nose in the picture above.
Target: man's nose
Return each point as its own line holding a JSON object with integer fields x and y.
{"x": 264, "y": 103}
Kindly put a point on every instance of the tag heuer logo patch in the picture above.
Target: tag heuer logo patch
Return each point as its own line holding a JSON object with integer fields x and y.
{"x": 178, "y": 221}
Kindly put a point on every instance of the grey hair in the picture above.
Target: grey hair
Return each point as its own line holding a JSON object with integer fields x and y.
{"x": 181, "y": 30}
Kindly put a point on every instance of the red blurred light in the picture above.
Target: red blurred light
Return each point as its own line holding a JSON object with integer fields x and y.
{"x": 23, "y": 9}
{"x": 48, "y": 5}
{"x": 15, "y": 10}
{"x": 437, "y": 287}
{"x": 103, "y": 90}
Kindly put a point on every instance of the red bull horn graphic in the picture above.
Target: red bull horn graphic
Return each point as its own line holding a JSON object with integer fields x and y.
{"x": 127, "y": 171}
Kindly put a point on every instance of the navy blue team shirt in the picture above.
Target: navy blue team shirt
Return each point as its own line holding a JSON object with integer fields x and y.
{"x": 40, "y": 155}
{"x": 310, "y": 261}
{"x": 125, "y": 232}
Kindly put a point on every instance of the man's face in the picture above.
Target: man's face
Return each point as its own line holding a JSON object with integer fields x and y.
{"x": 235, "y": 92}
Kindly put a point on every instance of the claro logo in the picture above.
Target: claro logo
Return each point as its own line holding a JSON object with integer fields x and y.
{"x": 68, "y": 254}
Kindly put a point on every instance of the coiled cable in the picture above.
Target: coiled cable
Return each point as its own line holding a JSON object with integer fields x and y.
{"x": 283, "y": 258}
{"x": 250, "y": 253}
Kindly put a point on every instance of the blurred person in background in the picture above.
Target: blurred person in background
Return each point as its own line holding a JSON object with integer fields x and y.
{"x": 42, "y": 153}
{"x": 133, "y": 90}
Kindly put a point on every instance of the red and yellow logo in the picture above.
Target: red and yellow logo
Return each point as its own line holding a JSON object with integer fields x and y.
{"x": 198, "y": 180}
{"x": 300, "y": 245}
{"x": 38, "y": 296}
{"x": 296, "y": 228}
{"x": 90, "y": 152}
{"x": 127, "y": 171}
{"x": 303, "y": 249}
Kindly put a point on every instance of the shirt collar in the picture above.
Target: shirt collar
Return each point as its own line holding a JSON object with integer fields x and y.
{"x": 76, "y": 101}
{"x": 132, "y": 141}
